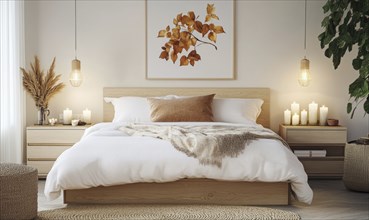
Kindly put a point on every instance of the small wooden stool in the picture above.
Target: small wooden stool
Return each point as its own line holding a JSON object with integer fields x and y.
{"x": 18, "y": 191}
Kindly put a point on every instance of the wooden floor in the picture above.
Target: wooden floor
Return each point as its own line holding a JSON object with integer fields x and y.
{"x": 331, "y": 201}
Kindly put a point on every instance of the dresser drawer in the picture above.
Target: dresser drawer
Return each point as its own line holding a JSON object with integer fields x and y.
{"x": 43, "y": 167}
{"x": 45, "y": 152}
{"x": 55, "y": 136}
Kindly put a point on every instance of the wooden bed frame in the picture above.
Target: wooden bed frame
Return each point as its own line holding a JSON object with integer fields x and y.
{"x": 188, "y": 191}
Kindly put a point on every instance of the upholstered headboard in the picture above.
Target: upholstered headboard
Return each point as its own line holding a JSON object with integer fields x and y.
{"x": 262, "y": 93}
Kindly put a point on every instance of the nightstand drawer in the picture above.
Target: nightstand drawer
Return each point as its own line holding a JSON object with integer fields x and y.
{"x": 319, "y": 167}
{"x": 43, "y": 167}
{"x": 316, "y": 137}
{"x": 60, "y": 136}
{"x": 45, "y": 152}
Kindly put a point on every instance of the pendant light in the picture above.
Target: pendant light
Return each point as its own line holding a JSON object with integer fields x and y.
{"x": 304, "y": 75}
{"x": 75, "y": 77}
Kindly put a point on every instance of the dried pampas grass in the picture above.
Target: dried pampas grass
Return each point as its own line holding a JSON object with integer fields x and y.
{"x": 41, "y": 87}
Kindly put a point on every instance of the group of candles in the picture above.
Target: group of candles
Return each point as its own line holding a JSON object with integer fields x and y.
{"x": 296, "y": 116}
{"x": 68, "y": 116}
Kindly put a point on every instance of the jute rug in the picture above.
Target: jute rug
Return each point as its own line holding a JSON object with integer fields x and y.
{"x": 155, "y": 212}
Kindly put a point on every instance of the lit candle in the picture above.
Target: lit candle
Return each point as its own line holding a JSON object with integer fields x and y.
{"x": 313, "y": 113}
{"x": 323, "y": 113}
{"x": 295, "y": 119}
{"x": 67, "y": 116}
{"x": 287, "y": 117}
{"x": 87, "y": 116}
{"x": 295, "y": 108}
{"x": 304, "y": 115}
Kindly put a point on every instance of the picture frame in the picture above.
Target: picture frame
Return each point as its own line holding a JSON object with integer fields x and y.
{"x": 213, "y": 59}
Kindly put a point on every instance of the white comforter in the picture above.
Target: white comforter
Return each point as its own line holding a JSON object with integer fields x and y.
{"x": 106, "y": 156}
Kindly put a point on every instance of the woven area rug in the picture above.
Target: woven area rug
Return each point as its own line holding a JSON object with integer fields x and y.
{"x": 149, "y": 212}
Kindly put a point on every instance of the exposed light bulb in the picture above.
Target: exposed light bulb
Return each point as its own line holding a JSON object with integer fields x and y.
{"x": 75, "y": 77}
{"x": 304, "y": 75}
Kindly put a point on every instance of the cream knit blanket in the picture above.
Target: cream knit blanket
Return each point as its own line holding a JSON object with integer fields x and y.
{"x": 208, "y": 143}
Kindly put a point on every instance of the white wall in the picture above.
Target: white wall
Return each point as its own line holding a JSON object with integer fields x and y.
{"x": 111, "y": 47}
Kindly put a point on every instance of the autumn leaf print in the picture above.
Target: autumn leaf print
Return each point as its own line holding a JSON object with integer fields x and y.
{"x": 187, "y": 34}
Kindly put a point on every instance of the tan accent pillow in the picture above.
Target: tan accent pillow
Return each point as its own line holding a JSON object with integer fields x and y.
{"x": 198, "y": 108}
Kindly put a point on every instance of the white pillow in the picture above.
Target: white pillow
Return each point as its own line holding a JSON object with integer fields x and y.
{"x": 130, "y": 109}
{"x": 231, "y": 110}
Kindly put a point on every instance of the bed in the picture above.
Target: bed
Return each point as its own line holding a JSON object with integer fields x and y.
{"x": 199, "y": 190}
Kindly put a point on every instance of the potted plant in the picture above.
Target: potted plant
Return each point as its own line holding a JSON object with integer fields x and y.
{"x": 41, "y": 87}
{"x": 346, "y": 26}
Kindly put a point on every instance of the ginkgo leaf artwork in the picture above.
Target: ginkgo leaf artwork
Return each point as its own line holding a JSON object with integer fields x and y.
{"x": 188, "y": 32}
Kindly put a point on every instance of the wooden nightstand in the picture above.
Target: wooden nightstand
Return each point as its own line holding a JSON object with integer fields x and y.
{"x": 46, "y": 143}
{"x": 329, "y": 138}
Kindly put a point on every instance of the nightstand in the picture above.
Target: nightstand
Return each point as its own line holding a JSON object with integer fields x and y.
{"x": 332, "y": 139}
{"x": 46, "y": 143}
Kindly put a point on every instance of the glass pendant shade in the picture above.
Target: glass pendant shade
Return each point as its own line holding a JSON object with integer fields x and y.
{"x": 75, "y": 77}
{"x": 304, "y": 75}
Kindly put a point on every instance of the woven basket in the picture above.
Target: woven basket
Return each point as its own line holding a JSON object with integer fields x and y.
{"x": 356, "y": 168}
{"x": 18, "y": 191}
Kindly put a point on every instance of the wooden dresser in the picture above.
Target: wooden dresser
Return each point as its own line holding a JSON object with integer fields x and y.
{"x": 46, "y": 143}
{"x": 332, "y": 139}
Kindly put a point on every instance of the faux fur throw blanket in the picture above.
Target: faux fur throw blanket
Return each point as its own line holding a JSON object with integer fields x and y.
{"x": 208, "y": 143}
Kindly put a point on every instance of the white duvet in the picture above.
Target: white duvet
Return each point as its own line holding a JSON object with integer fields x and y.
{"x": 106, "y": 156}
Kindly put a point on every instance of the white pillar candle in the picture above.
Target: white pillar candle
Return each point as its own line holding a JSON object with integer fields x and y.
{"x": 323, "y": 113}
{"x": 304, "y": 115}
{"x": 313, "y": 113}
{"x": 295, "y": 108}
{"x": 67, "y": 116}
{"x": 87, "y": 116}
{"x": 287, "y": 117}
{"x": 295, "y": 119}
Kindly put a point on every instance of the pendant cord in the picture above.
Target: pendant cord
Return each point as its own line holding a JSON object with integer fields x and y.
{"x": 305, "y": 27}
{"x": 75, "y": 29}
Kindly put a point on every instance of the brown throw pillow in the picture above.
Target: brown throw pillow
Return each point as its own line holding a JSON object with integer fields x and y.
{"x": 198, "y": 108}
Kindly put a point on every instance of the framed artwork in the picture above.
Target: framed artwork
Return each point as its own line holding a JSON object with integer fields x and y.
{"x": 187, "y": 39}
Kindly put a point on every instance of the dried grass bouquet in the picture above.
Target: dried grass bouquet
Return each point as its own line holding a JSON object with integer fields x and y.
{"x": 41, "y": 87}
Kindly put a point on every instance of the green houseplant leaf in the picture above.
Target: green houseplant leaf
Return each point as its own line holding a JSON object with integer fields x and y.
{"x": 346, "y": 26}
{"x": 349, "y": 107}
